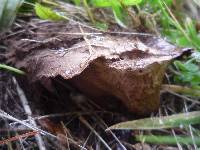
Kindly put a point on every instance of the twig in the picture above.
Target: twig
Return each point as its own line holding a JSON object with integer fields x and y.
{"x": 87, "y": 41}
{"x": 131, "y": 33}
{"x": 103, "y": 123}
{"x": 115, "y": 137}
{"x": 78, "y": 113}
{"x": 15, "y": 138}
{"x": 104, "y": 126}
{"x": 6, "y": 115}
{"x": 84, "y": 144}
{"x": 67, "y": 134}
{"x": 71, "y": 33}
{"x": 82, "y": 24}
{"x": 98, "y": 33}
{"x": 92, "y": 129}
{"x": 62, "y": 138}
{"x": 28, "y": 111}
{"x": 184, "y": 97}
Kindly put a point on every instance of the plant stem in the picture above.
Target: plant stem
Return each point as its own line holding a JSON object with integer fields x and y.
{"x": 169, "y": 140}
{"x": 181, "y": 89}
{"x": 88, "y": 11}
{"x": 12, "y": 69}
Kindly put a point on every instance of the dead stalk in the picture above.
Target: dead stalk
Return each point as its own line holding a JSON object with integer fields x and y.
{"x": 181, "y": 89}
{"x": 28, "y": 111}
{"x": 15, "y": 138}
{"x": 94, "y": 131}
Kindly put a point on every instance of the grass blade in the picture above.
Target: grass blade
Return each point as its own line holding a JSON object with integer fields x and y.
{"x": 160, "y": 122}
{"x": 2, "y": 6}
{"x": 8, "y": 11}
{"x": 182, "y": 89}
{"x": 47, "y": 13}
{"x": 12, "y": 69}
{"x": 168, "y": 140}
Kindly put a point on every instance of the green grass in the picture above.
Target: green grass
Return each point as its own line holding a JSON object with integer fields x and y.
{"x": 168, "y": 140}
{"x": 12, "y": 69}
{"x": 8, "y": 11}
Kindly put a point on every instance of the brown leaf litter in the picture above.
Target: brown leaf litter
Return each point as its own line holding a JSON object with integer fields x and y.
{"x": 122, "y": 66}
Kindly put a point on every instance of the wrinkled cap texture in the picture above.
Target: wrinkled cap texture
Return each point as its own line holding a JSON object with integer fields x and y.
{"x": 127, "y": 67}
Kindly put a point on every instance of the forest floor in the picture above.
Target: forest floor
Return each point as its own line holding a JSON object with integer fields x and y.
{"x": 52, "y": 114}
